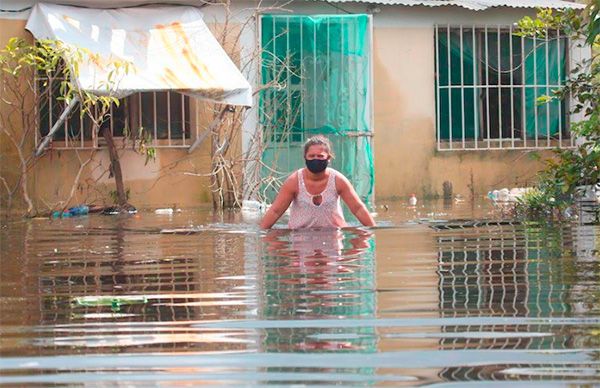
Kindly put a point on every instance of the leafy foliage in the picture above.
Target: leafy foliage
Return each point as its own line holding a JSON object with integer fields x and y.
{"x": 570, "y": 168}
{"x": 27, "y": 73}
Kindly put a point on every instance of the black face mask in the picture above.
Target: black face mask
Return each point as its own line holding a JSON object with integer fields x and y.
{"x": 316, "y": 165}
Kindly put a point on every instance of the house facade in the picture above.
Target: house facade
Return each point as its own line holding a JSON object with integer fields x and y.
{"x": 416, "y": 96}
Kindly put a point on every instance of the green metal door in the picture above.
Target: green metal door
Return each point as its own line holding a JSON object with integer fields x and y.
{"x": 316, "y": 79}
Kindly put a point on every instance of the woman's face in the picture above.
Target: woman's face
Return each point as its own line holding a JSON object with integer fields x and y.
{"x": 317, "y": 151}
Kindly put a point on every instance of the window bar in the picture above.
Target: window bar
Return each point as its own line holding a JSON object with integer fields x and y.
{"x": 288, "y": 102}
{"x": 547, "y": 65}
{"x": 437, "y": 75}
{"x": 558, "y": 64}
{"x": 169, "y": 117}
{"x": 328, "y": 94}
{"x": 50, "y": 104}
{"x": 512, "y": 89}
{"x": 449, "y": 88}
{"x": 348, "y": 63}
{"x": 475, "y": 92}
{"x": 524, "y": 89}
{"x": 453, "y": 281}
{"x": 349, "y": 67}
{"x": 36, "y": 117}
{"x": 274, "y": 79}
{"x": 538, "y": 281}
{"x": 499, "y": 42}
{"x": 535, "y": 88}
{"x": 487, "y": 86}
{"x": 462, "y": 86}
{"x": 489, "y": 275}
{"x": 356, "y": 75}
{"x": 369, "y": 90}
{"x": 441, "y": 278}
{"x": 110, "y": 120}
{"x": 81, "y": 129}
{"x": 513, "y": 270}
{"x": 314, "y": 80}
{"x": 569, "y": 57}
{"x": 465, "y": 285}
{"x": 66, "y": 128}
{"x": 95, "y": 128}
{"x": 154, "y": 117}
{"x": 302, "y": 74}
{"x": 526, "y": 279}
{"x": 140, "y": 120}
{"x": 502, "y": 271}
{"x": 286, "y": 55}
{"x": 183, "y": 119}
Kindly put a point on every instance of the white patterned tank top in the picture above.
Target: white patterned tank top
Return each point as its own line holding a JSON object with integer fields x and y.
{"x": 305, "y": 214}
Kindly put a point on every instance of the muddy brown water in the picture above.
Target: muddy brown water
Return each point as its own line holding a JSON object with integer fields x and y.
{"x": 112, "y": 301}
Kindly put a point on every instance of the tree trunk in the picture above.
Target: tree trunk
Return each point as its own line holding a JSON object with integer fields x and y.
{"x": 115, "y": 165}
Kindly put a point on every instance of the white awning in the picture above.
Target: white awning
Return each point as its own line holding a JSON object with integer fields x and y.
{"x": 169, "y": 48}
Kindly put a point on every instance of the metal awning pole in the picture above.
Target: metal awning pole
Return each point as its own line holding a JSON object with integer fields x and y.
{"x": 213, "y": 124}
{"x": 57, "y": 124}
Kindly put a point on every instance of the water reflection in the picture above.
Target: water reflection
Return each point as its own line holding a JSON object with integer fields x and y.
{"x": 508, "y": 271}
{"x": 318, "y": 275}
{"x": 99, "y": 285}
{"x": 322, "y": 274}
{"x": 419, "y": 303}
{"x": 512, "y": 271}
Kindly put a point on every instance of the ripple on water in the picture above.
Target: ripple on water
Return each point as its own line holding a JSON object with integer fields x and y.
{"x": 153, "y": 300}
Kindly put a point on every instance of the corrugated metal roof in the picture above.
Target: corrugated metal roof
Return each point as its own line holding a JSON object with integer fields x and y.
{"x": 476, "y": 5}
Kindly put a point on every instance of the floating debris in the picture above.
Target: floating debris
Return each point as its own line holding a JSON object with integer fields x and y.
{"x": 112, "y": 301}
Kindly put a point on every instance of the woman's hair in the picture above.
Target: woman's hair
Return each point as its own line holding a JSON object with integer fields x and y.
{"x": 319, "y": 140}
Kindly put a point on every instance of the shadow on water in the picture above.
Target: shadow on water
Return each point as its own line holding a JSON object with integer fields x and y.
{"x": 101, "y": 300}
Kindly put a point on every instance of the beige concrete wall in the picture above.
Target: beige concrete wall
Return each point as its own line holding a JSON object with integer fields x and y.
{"x": 406, "y": 160}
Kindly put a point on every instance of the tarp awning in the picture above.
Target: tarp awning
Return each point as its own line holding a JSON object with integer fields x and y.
{"x": 168, "y": 48}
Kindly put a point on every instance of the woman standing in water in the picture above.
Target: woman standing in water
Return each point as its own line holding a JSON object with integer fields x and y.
{"x": 314, "y": 193}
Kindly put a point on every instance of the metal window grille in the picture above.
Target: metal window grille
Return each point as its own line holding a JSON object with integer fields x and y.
{"x": 165, "y": 116}
{"x": 319, "y": 80}
{"x": 488, "y": 82}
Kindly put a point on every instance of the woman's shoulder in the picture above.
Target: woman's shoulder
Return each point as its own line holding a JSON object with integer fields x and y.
{"x": 341, "y": 182}
{"x": 292, "y": 180}
{"x": 336, "y": 173}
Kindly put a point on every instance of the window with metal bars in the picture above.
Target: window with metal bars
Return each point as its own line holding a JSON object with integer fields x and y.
{"x": 488, "y": 85}
{"x": 164, "y": 116}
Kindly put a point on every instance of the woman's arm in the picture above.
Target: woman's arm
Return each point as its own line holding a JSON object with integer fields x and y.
{"x": 352, "y": 200}
{"x": 282, "y": 202}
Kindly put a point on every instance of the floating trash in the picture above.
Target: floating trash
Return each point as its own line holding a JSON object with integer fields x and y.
{"x": 112, "y": 301}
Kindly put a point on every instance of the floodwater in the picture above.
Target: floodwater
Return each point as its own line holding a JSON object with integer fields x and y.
{"x": 201, "y": 299}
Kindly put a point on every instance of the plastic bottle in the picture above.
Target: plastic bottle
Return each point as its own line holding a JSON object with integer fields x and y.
{"x": 59, "y": 214}
{"x": 253, "y": 206}
{"x": 80, "y": 210}
{"x": 412, "y": 201}
{"x": 503, "y": 195}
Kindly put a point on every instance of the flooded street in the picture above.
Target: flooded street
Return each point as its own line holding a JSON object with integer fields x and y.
{"x": 197, "y": 299}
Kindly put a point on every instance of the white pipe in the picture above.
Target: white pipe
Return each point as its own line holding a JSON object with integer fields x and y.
{"x": 56, "y": 125}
